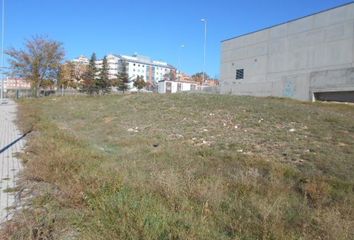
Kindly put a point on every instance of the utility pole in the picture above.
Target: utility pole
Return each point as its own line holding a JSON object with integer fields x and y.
{"x": 179, "y": 60}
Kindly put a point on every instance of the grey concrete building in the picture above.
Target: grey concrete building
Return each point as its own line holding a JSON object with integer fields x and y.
{"x": 308, "y": 58}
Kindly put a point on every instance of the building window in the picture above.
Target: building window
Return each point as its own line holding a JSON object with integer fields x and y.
{"x": 239, "y": 74}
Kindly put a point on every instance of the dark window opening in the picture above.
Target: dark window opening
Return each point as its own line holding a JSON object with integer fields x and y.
{"x": 344, "y": 96}
{"x": 239, "y": 74}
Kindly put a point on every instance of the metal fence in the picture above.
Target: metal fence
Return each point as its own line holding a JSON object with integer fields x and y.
{"x": 28, "y": 93}
{"x": 211, "y": 90}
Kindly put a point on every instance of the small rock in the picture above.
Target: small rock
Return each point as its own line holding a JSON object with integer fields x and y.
{"x": 292, "y": 130}
{"x": 236, "y": 127}
{"x": 205, "y": 130}
{"x": 240, "y": 151}
{"x": 132, "y": 130}
{"x": 179, "y": 136}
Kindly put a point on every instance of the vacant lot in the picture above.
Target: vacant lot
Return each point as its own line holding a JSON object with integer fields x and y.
{"x": 188, "y": 167}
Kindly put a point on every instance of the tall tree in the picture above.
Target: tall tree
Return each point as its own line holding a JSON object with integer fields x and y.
{"x": 67, "y": 76}
{"x": 103, "y": 82}
{"x": 123, "y": 78}
{"x": 198, "y": 77}
{"x": 80, "y": 70}
{"x": 38, "y": 63}
{"x": 90, "y": 78}
{"x": 139, "y": 83}
{"x": 170, "y": 76}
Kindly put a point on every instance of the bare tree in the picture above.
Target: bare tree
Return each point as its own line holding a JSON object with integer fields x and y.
{"x": 79, "y": 72}
{"x": 38, "y": 63}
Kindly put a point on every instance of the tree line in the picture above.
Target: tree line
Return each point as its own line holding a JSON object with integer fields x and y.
{"x": 40, "y": 63}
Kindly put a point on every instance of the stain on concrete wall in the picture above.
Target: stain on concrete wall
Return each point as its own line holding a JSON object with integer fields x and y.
{"x": 289, "y": 89}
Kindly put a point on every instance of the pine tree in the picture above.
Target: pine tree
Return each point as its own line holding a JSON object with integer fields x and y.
{"x": 90, "y": 79}
{"x": 123, "y": 78}
{"x": 103, "y": 82}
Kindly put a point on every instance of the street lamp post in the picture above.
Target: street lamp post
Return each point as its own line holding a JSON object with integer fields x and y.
{"x": 2, "y": 51}
{"x": 179, "y": 58}
{"x": 205, "y": 40}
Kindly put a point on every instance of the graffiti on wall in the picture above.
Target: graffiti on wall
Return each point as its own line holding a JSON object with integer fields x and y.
{"x": 289, "y": 89}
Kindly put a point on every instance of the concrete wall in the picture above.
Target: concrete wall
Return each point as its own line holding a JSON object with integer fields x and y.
{"x": 334, "y": 80}
{"x": 280, "y": 61}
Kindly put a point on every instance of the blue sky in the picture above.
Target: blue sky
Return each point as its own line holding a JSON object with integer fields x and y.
{"x": 153, "y": 28}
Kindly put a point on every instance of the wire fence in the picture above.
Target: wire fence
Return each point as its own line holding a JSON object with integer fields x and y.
{"x": 29, "y": 93}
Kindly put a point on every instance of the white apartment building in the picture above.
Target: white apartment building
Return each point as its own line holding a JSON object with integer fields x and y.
{"x": 151, "y": 70}
{"x": 136, "y": 65}
{"x": 82, "y": 60}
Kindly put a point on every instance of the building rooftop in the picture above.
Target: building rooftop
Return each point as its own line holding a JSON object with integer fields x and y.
{"x": 145, "y": 60}
{"x": 134, "y": 58}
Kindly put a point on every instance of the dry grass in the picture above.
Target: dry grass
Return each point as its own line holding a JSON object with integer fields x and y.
{"x": 189, "y": 167}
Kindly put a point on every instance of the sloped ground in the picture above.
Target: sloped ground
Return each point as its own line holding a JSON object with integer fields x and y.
{"x": 188, "y": 167}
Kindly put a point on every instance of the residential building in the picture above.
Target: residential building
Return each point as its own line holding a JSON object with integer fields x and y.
{"x": 82, "y": 60}
{"x": 211, "y": 82}
{"x": 136, "y": 65}
{"x": 16, "y": 84}
{"x": 152, "y": 71}
{"x": 307, "y": 59}
{"x": 181, "y": 76}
